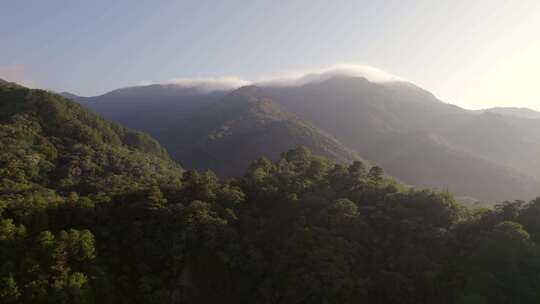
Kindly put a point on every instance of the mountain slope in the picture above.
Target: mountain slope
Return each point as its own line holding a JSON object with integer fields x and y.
{"x": 399, "y": 119}
{"x": 360, "y": 113}
{"x": 241, "y": 128}
{"x": 48, "y": 143}
{"x": 151, "y": 109}
{"x": 297, "y": 230}
{"x": 516, "y": 112}
{"x": 509, "y": 141}
{"x": 373, "y": 120}
{"x": 427, "y": 160}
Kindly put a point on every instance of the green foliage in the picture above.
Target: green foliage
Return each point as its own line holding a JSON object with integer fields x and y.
{"x": 88, "y": 216}
{"x": 9, "y": 291}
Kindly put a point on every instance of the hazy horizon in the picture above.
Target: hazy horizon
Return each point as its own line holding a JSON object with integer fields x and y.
{"x": 476, "y": 55}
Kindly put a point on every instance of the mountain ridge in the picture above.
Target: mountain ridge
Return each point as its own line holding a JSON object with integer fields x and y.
{"x": 514, "y": 111}
{"x": 242, "y": 127}
{"x": 371, "y": 119}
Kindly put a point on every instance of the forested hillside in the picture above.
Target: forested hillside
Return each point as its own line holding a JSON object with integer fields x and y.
{"x": 60, "y": 166}
{"x": 93, "y": 213}
{"x": 50, "y": 141}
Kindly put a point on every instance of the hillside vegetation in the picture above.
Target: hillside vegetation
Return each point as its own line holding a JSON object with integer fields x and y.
{"x": 91, "y": 212}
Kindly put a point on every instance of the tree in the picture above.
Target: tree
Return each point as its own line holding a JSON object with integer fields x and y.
{"x": 376, "y": 174}
{"x": 9, "y": 291}
{"x": 357, "y": 169}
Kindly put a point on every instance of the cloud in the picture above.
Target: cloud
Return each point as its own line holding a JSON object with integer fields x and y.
{"x": 297, "y": 78}
{"x": 16, "y": 73}
{"x": 317, "y": 75}
{"x": 209, "y": 84}
{"x": 143, "y": 83}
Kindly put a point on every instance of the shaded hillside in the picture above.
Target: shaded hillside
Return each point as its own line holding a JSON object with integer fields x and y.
{"x": 242, "y": 127}
{"x": 427, "y": 160}
{"x": 382, "y": 119}
{"x": 151, "y": 109}
{"x": 360, "y": 113}
{"x": 507, "y": 140}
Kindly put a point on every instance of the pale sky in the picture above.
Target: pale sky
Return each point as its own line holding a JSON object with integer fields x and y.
{"x": 476, "y": 54}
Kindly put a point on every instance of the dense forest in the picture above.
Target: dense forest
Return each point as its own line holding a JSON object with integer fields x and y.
{"x": 91, "y": 212}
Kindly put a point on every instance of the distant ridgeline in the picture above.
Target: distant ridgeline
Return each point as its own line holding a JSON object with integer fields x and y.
{"x": 91, "y": 212}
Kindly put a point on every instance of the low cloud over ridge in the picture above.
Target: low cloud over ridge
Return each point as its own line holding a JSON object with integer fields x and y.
{"x": 208, "y": 84}
{"x": 351, "y": 70}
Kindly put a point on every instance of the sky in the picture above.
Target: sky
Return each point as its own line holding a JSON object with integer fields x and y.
{"x": 475, "y": 54}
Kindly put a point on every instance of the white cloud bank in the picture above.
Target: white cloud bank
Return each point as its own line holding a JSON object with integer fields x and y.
{"x": 372, "y": 74}
{"x": 209, "y": 84}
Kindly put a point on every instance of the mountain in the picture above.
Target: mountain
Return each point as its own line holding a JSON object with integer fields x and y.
{"x": 397, "y": 125}
{"x": 91, "y": 212}
{"x": 360, "y": 113}
{"x": 242, "y": 127}
{"x": 420, "y": 139}
{"x": 151, "y": 108}
{"x": 507, "y": 140}
{"x": 517, "y": 112}
{"x": 430, "y": 161}
{"x": 49, "y": 143}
